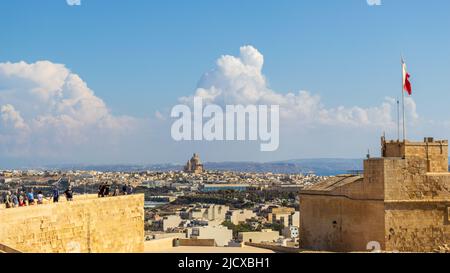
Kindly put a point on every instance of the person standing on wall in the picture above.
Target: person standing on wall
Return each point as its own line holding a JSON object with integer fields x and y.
{"x": 69, "y": 194}
{"x": 55, "y": 193}
{"x": 30, "y": 197}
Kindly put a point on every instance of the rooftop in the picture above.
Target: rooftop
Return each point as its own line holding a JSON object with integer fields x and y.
{"x": 334, "y": 182}
{"x": 200, "y": 249}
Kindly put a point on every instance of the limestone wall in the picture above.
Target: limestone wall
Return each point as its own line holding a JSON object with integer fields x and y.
{"x": 417, "y": 226}
{"x": 259, "y": 237}
{"x": 197, "y": 242}
{"x": 408, "y": 180}
{"x": 88, "y": 224}
{"x": 333, "y": 223}
{"x": 393, "y": 149}
{"x": 347, "y": 218}
{"x": 403, "y": 203}
{"x": 373, "y": 183}
{"x": 434, "y": 153}
{"x": 275, "y": 248}
{"x": 159, "y": 244}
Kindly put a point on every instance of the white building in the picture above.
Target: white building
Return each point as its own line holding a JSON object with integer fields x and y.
{"x": 222, "y": 235}
{"x": 290, "y": 232}
{"x": 217, "y": 212}
{"x": 286, "y": 218}
{"x": 213, "y": 213}
{"x": 240, "y": 216}
{"x": 170, "y": 222}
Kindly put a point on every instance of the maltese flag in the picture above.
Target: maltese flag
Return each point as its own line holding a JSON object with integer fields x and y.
{"x": 406, "y": 82}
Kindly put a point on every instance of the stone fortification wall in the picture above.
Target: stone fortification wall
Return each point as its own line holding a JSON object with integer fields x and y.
{"x": 88, "y": 224}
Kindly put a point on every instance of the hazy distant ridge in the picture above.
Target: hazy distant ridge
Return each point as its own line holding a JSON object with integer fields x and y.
{"x": 318, "y": 166}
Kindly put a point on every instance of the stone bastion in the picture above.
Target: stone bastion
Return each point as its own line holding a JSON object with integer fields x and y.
{"x": 87, "y": 225}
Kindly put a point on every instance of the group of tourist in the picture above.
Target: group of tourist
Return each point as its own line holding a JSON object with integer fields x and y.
{"x": 23, "y": 198}
{"x": 104, "y": 190}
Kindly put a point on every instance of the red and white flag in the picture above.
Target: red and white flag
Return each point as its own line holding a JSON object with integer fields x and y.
{"x": 406, "y": 82}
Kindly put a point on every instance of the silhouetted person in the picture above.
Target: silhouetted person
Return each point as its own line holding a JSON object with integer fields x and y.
{"x": 40, "y": 198}
{"x": 55, "y": 195}
{"x": 7, "y": 200}
{"x": 116, "y": 192}
{"x": 22, "y": 202}
{"x": 101, "y": 190}
{"x": 106, "y": 190}
{"x": 30, "y": 197}
{"x": 69, "y": 194}
{"x": 129, "y": 189}
{"x": 14, "y": 200}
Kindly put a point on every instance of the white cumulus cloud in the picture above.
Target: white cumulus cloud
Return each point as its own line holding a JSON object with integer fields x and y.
{"x": 51, "y": 108}
{"x": 10, "y": 116}
{"x": 49, "y": 114}
{"x": 239, "y": 80}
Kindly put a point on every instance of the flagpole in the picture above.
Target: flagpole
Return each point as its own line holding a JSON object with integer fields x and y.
{"x": 398, "y": 120}
{"x": 403, "y": 102}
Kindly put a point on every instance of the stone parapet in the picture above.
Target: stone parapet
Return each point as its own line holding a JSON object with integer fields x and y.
{"x": 86, "y": 225}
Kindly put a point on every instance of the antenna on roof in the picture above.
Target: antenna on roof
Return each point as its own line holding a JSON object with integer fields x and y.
{"x": 368, "y": 154}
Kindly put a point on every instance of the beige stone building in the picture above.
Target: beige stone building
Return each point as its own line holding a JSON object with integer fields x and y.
{"x": 239, "y": 216}
{"x": 210, "y": 212}
{"x": 170, "y": 222}
{"x": 266, "y": 236}
{"x": 194, "y": 165}
{"x": 220, "y": 234}
{"x": 400, "y": 203}
{"x": 285, "y": 216}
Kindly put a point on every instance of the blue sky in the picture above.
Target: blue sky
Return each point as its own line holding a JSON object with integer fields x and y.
{"x": 141, "y": 56}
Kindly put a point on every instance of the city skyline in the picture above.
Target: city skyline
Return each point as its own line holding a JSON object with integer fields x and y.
{"x": 94, "y": 83}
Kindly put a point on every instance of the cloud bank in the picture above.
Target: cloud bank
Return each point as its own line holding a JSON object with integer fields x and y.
{"x": 46, "y": 109}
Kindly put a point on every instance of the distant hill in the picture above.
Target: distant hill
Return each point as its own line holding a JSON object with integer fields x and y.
{"x": 324, "y": 167}
{"x": 317, "y": 166}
